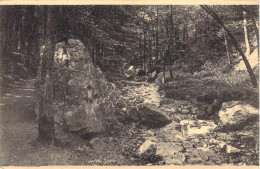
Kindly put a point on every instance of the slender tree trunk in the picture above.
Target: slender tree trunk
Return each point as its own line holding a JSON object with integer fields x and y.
{"x": 254, "y": 24}
{"x": 234, "y": 41}
{"x": 164, "y": 69}
{"x": 140, "y": 51}
{"x": 2, "y": 14}
{"x": 8, "y": 30}
{"x": 46, "y": 119}
{"x": 157, "y": 40}
{"x": 246, "y": 35}
{"x": 144, "y": 56}
{"x": 93, "y": 54}
{"x": 171, "y": 43}
{"x": 45, "y": 15}
{"x": 256, "y": 32}
{"x": 150, "y": 54}
{"x": 97, "y": 53}
{"x": 184, "y": 32}
{"x": 227, "y": 48}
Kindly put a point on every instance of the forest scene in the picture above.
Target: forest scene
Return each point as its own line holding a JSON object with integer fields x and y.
{"x": 129, "y": 85}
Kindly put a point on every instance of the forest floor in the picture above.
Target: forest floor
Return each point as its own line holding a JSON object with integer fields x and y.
{"x": 19, "y": 145}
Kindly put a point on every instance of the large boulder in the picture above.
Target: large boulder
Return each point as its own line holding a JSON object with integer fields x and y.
{"x": 152, "y": 116}
{"x": 236, "y": 114}
{"x": 80, "y": 85}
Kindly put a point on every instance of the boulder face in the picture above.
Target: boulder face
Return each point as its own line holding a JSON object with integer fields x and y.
{"x": 86, "y": 95}
{"x": 236, "y": 114}
{"x": 152, "y": 116}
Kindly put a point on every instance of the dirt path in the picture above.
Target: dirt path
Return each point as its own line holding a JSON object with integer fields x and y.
{"x": 17, "y": 122}
{"x": 19, "y": 145}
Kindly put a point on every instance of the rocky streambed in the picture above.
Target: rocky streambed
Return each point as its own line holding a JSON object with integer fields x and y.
{"x": 181, "y": 138}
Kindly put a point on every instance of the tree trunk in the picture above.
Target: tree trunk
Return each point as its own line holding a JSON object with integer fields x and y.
{"x": 256, "y": 32}
{"x": 144, "y": 56}
{"x": 227, "y": 49}
{"x": 234, "y": 41}
{"x": 2, "y": 12}
{"x": 157, "y": 39}
{"x": 8, "y": 29}
{"x": 184, "y": 32}
{"x": 171, "y": 42}
{"x": 246, "y": 35}
{"x": 46, "y": 119}
{"x": 252, "y": 18}
{"x": 45, "y": 11}
{"x": 140, "y": 50}
{"x": 164, "y": 69}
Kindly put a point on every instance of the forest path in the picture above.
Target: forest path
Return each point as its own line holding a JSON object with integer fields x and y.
{"x": 19, "y": 132}
{"x": 17, "y": 121}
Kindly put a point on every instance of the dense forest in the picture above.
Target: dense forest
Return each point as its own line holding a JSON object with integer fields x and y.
{"x": 129, "y": 85}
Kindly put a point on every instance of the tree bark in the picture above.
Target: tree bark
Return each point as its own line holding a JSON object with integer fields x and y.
{"x": 234, "y": 41}
{"x": 2, "y": 12}
{"x": 246, "y": 35}
{"x": 171, "y": 44}
{"x": 45, "y": 11}
{"x": 144, "y": 56}
{"x": 157, "y": 40}
{"x": 256, "y": 32}
{"x": 46, "y": 127}
{"x": 252, "y": 18}
{"x": 227, "y": 49}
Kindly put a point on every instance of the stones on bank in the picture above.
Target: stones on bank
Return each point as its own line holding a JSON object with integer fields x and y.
{"x": 236, "y": 114}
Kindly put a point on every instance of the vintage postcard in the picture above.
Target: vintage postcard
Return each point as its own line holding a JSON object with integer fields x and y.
{"x": 129, "y": 84}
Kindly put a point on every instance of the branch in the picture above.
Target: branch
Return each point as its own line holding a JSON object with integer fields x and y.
{"x": 234, "y": 41}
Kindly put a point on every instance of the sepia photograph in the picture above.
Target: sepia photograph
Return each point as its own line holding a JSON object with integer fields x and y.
{"x": 129, "y": 85}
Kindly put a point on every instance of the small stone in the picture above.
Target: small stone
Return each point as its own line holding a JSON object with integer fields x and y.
{"x": 207, "y": 158}
{"x": 177, "y": 159}
{"x": 148, "y": 148}
{"x": 185, "y": 111}
{"x": 161, "y": 162}
{"x": 194, "y": 110}
{"x": 111, "y": 139}
{"x": 187, "y": 107}
{"x": 231, "y": 149}
{"x": 97, "y": 144}
{"x": 150, "y": 133}
{"x": 187, "y": 97}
